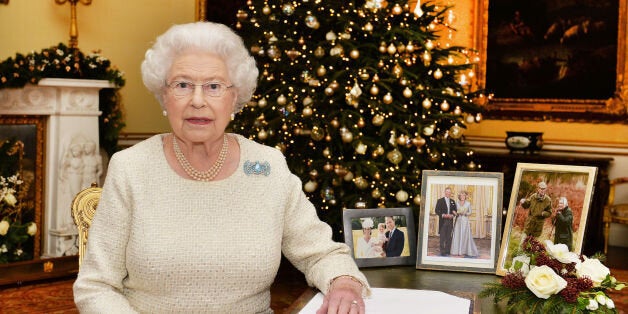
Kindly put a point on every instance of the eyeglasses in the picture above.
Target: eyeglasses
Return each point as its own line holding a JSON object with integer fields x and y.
{"x": 186, "y": 89}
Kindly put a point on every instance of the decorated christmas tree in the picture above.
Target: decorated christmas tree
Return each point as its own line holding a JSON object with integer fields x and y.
{"x": 360, "y": 96}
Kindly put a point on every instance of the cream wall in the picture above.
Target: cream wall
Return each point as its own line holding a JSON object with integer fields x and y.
{"x": 121, "y": 29}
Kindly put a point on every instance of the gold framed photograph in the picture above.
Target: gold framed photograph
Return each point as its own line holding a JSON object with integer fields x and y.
{"x": 553, "y": 61}
{"x": 380, "y": 236}
{"x": 548, "y": 202}
{"x": 460, "y": 220}
{"x": 22, "y": 155}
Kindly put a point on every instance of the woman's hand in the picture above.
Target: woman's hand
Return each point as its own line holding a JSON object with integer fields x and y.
{"x": 344, "y": 296}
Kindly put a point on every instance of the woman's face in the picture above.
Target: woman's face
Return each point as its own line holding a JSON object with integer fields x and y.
{"x": 462, "y": 196}
{"x": 199, "y": 117}
{"x": 367, "y": 233}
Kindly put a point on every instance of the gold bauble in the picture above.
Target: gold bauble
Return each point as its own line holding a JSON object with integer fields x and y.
{"x": 377, "y": 175}
{"x": 335, "y": 123}
{"x": 394, "y": 156}
{"x": 334, "y": 85}
{"x": 364, "y": 75}
{"x": 361, "y": 183}
{"x": 429, "y": 130}
{"x": 361, "y": 122}
{"x": 397, "y": 70}
{"x": 376, "y": 77}
{"x": 397, "y": 9}
{"x": 310, "y": 186}
{"x": 242, "y": 15}
{"x": 321, "y": 71}
{"x": 349, "y": 176}
{"x": 319, "y": 52}
{"x": 417, "y": 200}
{"x": 401, "y": 196}
{"x": 307, "y": 101}
{"x": 382, "y": 47}
{"x": 262, "y": 134}
{"x": 347, "y": 137}
{"x": 281, "y": 100}
{"x": 266, "y": 10}
{"x": 444, "y": 106}
{"x": 378, "y": 120}
{"x": 427, "y": 104}
{"x": 469, "y": 119}
{"x": 438, "y": 74}
{"x": 313, "y": 173}
{"x": 329, "y": 91}
{"x": 376, "y": 193}
{"x": 418, "y": 141}
{"x": 410, "y": 47}
{"x": 407, "y": 92}
{"x": 328, "y": 167}
{"x": 391, "y": 49}
{"x": 326, "y": 152}
{"x": 307, "y": 111}
{"x": 340, "y": 171}
{"x": 388, "y": 98}
{"x": 262, "y": 103}
{"x": 354, "y": 54}
{"x": 402, "y": 140}
{"x": 374, "y": 90}
{"x": 317, "y": 133}
{"x": 434, "y": 156}
{"x": 455, "y": 132}
{"x": 379, "y": 150}
{"x": 457, "y": 111}
{"x": 368, "y": 27}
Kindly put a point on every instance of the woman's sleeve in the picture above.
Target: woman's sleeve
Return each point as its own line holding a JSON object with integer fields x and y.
{"x": 307, "y": 243}
{"x": 98, "y": 288}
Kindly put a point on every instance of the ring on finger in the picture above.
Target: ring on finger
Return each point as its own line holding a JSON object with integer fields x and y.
{"x": 354, "y": 302}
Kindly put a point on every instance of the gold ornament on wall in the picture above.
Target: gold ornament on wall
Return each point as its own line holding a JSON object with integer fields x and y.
{"x": 73, "y": 19}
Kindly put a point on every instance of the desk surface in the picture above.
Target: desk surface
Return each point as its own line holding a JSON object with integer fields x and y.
{"x": 407, "y": 277}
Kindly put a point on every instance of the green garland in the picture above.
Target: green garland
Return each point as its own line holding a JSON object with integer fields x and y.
{"x": 62, "y": 61}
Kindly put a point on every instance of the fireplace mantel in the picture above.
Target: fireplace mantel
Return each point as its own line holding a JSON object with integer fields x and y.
{"x": 72, "y": 148}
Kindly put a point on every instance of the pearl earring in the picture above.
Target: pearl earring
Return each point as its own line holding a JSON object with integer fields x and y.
{"x": 165, "y": 113}
{"x": 232, "y": 116}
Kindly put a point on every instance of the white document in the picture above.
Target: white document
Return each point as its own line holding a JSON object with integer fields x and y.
{"x": 388, "y": 300}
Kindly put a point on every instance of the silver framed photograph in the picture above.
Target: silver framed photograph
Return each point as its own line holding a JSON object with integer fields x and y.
{"x": 460, "y": 221}
{"x": 548, "y": 202}
{"x": 380, "y": 236}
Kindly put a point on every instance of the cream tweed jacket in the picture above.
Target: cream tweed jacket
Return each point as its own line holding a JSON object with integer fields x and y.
{"x": 160, "y": 243}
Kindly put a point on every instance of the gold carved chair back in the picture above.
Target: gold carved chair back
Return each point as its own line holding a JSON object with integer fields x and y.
{"x": 83, "y": 210}
{"x": 614, "y": 213}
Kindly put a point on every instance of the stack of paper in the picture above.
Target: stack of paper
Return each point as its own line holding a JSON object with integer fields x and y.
{"x": 386, "y": 301}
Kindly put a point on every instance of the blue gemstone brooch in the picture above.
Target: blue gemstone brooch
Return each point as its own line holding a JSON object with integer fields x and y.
{"x": 256, "y": 168}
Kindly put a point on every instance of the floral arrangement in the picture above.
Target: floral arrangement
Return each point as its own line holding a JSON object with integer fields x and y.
{"x": 62, "y": 61}
{"x": 17, "y": 227}
{"x": 550, "y": 279}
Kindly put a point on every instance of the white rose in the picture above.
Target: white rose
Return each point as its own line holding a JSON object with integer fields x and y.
{"x": 4, "y": 227}
{"x": 544, "y": 282}
{"x": 10, "y": 199}
{"x": 522, "y": 263}
{"x": 32, "y": 229}
{"x": 592, "y": 306}
{"x": 3, "y": 249}
{"x": 561, "y": 252}
{"x": 594, "y": 269}
{"x": 609, "y": 303}
{"x": 600, "y": 298}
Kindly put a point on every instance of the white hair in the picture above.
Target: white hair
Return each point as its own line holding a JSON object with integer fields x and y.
{"x": 209, "y": 37}
{"x": 564, "y": 200}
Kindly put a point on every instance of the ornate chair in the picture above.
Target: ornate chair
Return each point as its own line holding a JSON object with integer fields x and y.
{"x": 617, "y": 213}
{"x": 83, "y": 209}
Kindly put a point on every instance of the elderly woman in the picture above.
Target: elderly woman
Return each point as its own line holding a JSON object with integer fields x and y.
{"x": 153, "y": 245}
{"x": 462, "y": 243}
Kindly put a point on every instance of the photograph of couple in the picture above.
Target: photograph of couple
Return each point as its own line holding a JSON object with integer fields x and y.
{"x": 460, "y": 222}
{"x": 378, "y": 237}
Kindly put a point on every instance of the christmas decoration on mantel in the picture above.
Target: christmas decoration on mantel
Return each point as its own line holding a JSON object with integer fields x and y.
{"x": 62, "y": 61}
{"x": 360, "y": 96}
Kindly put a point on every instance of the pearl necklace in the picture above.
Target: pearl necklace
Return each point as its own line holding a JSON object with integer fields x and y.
{"x": 204, "y": 176}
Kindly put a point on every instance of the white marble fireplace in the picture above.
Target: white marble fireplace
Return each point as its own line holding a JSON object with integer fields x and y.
{"x": 72, "y": 150}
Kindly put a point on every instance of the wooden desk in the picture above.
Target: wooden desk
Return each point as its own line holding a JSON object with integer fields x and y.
{"x": 507, "y": 163}
{"x": 407, "y": 277}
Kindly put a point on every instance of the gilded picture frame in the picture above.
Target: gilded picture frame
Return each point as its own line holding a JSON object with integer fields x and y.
{"x": 380, "y": 249}
{"x": 30, "y": 131}
{"x": 575, "y": 183}
{"x": 535, "y": 56}
{"x": 472, "y": 238}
